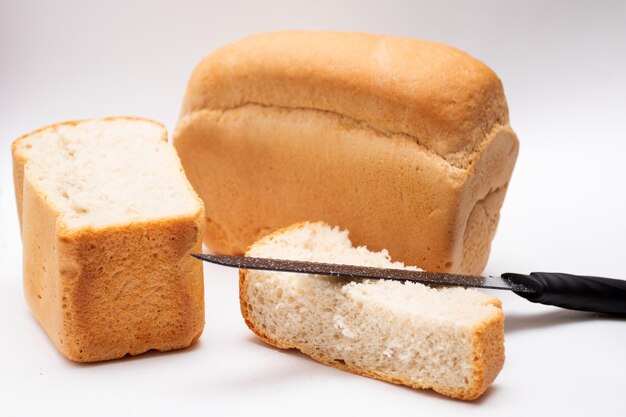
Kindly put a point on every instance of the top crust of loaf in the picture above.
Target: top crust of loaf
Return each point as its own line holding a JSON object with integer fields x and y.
{"x": 444, "y": 99}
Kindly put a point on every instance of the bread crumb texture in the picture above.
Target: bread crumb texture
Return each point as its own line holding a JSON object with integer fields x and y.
{"x": 446, "y": 339}
{"x": 108, "y": 220}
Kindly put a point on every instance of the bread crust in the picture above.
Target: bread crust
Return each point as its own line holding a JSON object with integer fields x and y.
{"x": 436, "y": 94}
{"x": 487, "y": 345}
{"x": 86, "y": 286}
{"x": 402, "y": 142}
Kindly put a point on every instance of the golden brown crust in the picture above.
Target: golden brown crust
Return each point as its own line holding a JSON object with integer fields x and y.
{"x": 293, "y": 126}
{"x": 265, "y": 169}
{"x": 104, "y": 293}
{"x": 438, "y": 95}
{"x": 488, "y": 348}
{"x": 487, "y": 345}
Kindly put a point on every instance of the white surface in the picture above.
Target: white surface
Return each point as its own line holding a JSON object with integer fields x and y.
{"x": 562, "y": 65}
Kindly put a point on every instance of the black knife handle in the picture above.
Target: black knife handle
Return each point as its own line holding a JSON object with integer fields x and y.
{"x": 601, "y": 295}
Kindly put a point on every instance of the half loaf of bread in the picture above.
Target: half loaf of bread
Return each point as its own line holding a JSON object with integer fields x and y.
{"x": 107, "y": 221}
{"x": 450, "y": 340}
{"x": 405, "y": 143}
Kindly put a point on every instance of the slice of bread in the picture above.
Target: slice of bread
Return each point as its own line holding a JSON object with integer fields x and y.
{"x": 108, "y": 220}
{"x": 450, "y": 340}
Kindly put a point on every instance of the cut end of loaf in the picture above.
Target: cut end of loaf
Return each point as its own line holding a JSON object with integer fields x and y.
{"x": 105, "y": 172}
{"x": 447, "y": 339}
{"x": 108, "y": 221}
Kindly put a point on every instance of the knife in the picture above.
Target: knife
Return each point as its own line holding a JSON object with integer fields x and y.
{"x": 575, "y": 292}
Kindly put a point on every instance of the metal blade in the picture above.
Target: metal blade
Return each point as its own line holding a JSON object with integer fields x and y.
{"x": 356, "y": 271}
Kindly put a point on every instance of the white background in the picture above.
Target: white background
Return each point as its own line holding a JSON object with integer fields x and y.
{"x": 563, "y": 65}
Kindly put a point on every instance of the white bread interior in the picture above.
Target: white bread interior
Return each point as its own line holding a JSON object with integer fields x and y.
{"x": 450, "y": 340}
{"x": 107, "y": 221}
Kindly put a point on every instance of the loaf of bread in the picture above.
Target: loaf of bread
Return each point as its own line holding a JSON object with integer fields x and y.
{"x": 405, "y": 143}
{"x": 108, "y": 220}
{"x": 450, "y": 340}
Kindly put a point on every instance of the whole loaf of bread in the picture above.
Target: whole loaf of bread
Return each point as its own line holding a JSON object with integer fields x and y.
{"x": 405, "y": 143}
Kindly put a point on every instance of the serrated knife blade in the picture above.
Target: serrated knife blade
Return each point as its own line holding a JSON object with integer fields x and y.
{"x": 575, "y": 292}
{"x": 358, "y": 271}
